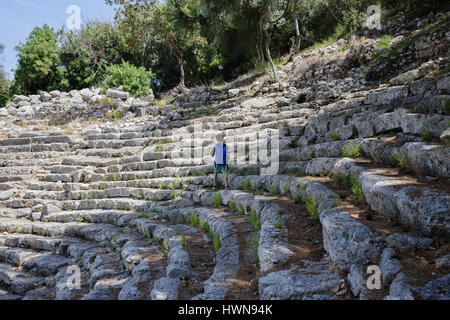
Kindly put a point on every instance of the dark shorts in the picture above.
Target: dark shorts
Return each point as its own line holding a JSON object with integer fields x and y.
{"x": 220, "y": 168}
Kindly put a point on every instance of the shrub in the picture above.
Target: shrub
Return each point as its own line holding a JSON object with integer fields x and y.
{"x": 183, "y": 240}
{"x": 445, "y": 107}
{"x": 351, "y": 150}
{"x": 383, "y": 44}
{"x": 217, "y": 199}
{"x": 254, "y": 220}
{"x": 338, "y": 200}
{"x": 85, "y": 54}
{"x": 116, "y": 114}
{"x": 302, "y": 186}
{"x": 254, "y": 245}
{"x": 278, "y": 224}
{"x": 165, "y": 245}
{"x": 312, "y": 154}
{"x": 274, "y": 189}
{"x": 232, "y": 206}
{"x": 134, "y": 80}
{"x": 312, "y": 206}
{"x": 202, "y": 225}
{"x": 216, "y": 243}
{"x": 286, "y": 189}
{"x": 334, "y": 136}
{"x": 247, "y": 184}
{"x": 193, "y": 219}
{"x": 400, "y": 161}
{"x": 425, "y": 134}
{"x": 179, "y": 220}
{"x": 240, "y": 208}
{"x": 357, "y": 193}
{"x": 351, "y": 21}
{"x": 297, "y": 197}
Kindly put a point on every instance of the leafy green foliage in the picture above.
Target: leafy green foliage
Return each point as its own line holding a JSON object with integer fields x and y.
{"x": 183, "y": 241}
{"x": 357, "y": 193}
{"x": 445, "y": 107}
{"x": 5, "y": 84}
{"x": 254, "y": 245}
{"x": 87, "y": 53}
{"x": 274, "y": 189}
{"x": 217, "y": 199}
{"x": 383, "y": 44}
{"x": 217, "y": 243}
{"x": 254, "y": 220}
{"x": 203, "y": 225}
{"x": 312, "y": 206}
{"x": 334, "y": 136}
{"x": 279, "y": 223}
{"x": 425, "y": 134}
{"x": 39, "y": 66}
{"x": 247, "y": 184}
{"x": 351, "y": 150}
{"x": 133, "y": 79}
{"x": 401, "y": 161}
{"x": 240, "y": 208}
{"x": 232, "y": 206}
{"x": 193, "y": 219}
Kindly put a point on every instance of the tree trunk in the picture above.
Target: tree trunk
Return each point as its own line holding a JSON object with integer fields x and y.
{"x": 269, "y": 58}
{"x": 297, "y": 36}
{"x": 275, "y": 76}
{"x": 180, "y": 65}
{"x": 261, "y": 54}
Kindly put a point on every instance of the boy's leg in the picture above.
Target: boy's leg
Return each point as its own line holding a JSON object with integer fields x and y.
{"x": 225, "y": 175}
{"x": 215, "y": 179}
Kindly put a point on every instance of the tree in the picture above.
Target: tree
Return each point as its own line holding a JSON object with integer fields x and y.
{"x": 39, "y": 65}
{"x": 86, "y": 54}
{"x": 143, "y": 16}
{"x": 262, "y": 16}
{"x": 5, "y": 83}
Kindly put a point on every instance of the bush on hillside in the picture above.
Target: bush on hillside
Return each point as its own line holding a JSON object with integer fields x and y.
{"x": 133, "y": 79}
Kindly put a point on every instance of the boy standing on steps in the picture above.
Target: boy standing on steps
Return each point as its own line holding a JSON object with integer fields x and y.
{"x": 220, "y": 163}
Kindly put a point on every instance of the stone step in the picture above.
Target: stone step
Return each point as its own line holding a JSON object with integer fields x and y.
{"x": 401, "y": 198}
{"x": 18, "y": 282}
{"x": 32, "y": 163}
{"x": 49, "y": 229}
{"x": 155, "y": 183}
{"x": 50, "y": 206}
{"x": 35, "y": 140}
{"x": 113, "y": 153}
{"x": 58, "y": 147}
{"x": 44, "y": 195}
{"x": 34, "y": 155}
{"x": 227, "y": 259}
{"x": 5, "y": 295}
{"x": 424, "y": 157}
{"x": 16, "y": 256}
{"x": 12, "y": 178}
{"x": 31, "y": 241}
{"x": 12, "y": 170}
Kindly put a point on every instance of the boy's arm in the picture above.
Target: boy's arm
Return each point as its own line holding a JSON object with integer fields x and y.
{"x": 213, "y": 153}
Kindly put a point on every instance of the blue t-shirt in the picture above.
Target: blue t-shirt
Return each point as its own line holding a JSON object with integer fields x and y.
{"x": 221, "y": 153}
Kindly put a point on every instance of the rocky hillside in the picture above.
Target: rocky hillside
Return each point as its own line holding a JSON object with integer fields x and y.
{"x": 120, "y": 188}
